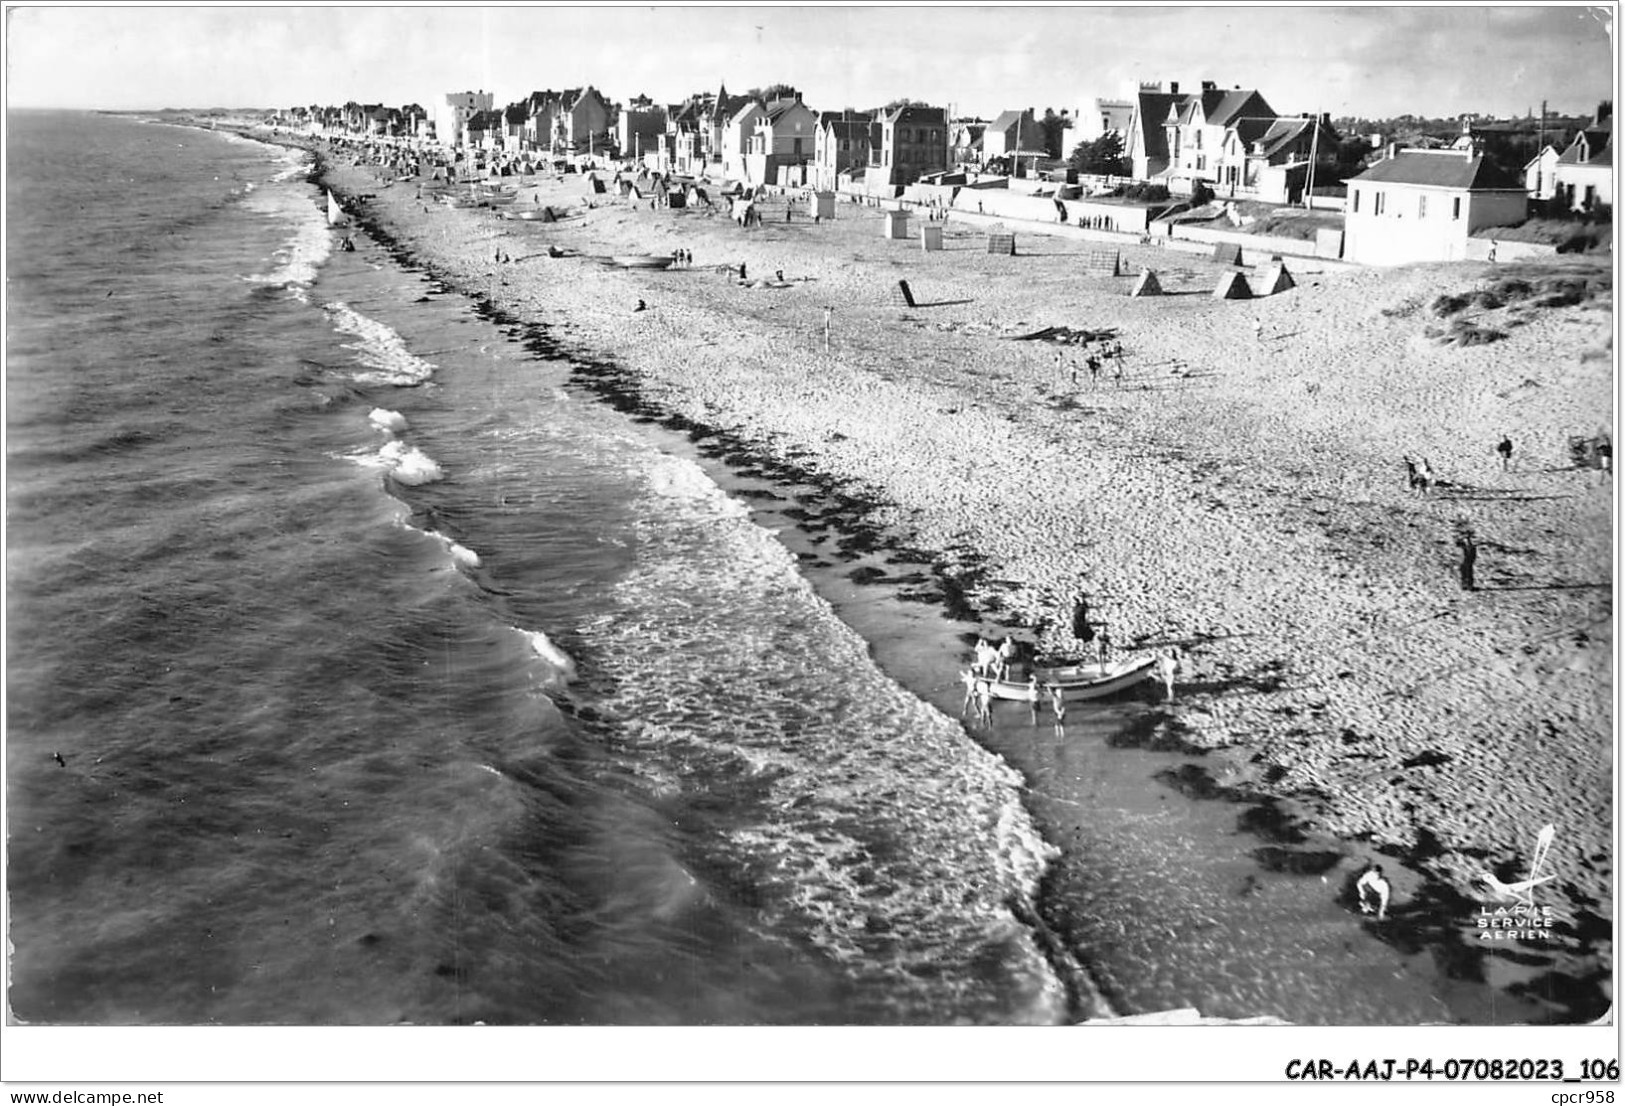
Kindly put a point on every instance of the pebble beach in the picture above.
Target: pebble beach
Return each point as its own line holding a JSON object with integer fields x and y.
{"x": 1234, "y": 487}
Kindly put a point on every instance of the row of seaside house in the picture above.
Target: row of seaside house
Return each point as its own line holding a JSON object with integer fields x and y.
{"x": 1412, "y": 205}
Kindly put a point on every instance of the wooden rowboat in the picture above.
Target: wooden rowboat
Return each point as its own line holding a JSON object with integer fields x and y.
{"x": 1076, "y": 681}
{"x": 642, "y": 261}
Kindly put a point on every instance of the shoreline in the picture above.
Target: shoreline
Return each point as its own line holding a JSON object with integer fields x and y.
{"x": 786, "y": 431}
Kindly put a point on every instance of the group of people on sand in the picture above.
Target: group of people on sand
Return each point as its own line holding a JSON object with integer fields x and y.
{"x": 1002, "y": 663}
{"x": 1094, "y": 361}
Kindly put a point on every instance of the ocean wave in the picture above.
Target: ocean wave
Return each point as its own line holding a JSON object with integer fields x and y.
{"x": 298, "y": 261}
{"x": 298, "y": 165}
{"x": 380, "y": 348}
{"x": 410, "y": 465}
{"x": 543, "y": 647}
{"x": 406, "y": 463}
{"x": 461, "y": 554}
{"x": 391, "y": 421}
{"x": 873, "y": 826}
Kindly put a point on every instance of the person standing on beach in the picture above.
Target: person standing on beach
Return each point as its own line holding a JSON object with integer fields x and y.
{"x": 968, "y": 678}
{"x": 1007, "y": 656}
{"x": 1032, "y": 698}
{"x": 984, "y": 702}
{"x": 1373, "y": 891}
{"x": 1505, "y": 450}
{"x": 1469, "y": 559}
{"x": 1167, "y": 668}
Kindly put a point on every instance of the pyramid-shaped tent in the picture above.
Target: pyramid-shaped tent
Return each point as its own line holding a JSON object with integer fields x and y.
{"x": 1146, "y": 285}
{"x": 1273, "y": 278}
{"x": 1232, "y": 286}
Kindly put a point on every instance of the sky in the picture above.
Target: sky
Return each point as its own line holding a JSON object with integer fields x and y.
{"x": 1374, "y": 61}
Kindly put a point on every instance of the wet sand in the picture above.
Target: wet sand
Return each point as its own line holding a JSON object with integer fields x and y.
{"x": 1241, "y": 497}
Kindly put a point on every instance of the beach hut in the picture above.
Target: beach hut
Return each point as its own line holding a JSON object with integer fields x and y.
{"x": 896, "y": 224}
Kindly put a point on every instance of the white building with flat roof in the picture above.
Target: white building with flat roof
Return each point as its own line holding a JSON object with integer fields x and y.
{"x": 453, "y": 110}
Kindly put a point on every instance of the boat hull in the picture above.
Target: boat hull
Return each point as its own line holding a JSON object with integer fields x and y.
{"x": 1080, "y": 682}
{"x": 642, "y": 261}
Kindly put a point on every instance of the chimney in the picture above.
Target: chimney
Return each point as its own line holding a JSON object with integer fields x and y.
{"x": 1173, "y": 87}
{"x": 1208, "y": 86}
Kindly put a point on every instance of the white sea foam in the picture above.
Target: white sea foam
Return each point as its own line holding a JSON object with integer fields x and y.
{"x": 298, "y": 260}
{"x": 379, "y": 348}
{"x": 298, "y": 164}
{"x": 459, "y": 553}
{"x": 392, "y": 421}
{"x": 543, "y": 647}
{"x": 409, "y": 464}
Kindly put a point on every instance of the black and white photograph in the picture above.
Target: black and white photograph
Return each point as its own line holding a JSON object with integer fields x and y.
{"x": 535, "y": 528}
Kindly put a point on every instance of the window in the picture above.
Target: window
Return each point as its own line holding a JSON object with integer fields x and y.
{"x": 1455, "y": 208}
{"x": 1355, "y": 209}
{"x": 1422, "y": 207}
{"x": 1376, "y": 203}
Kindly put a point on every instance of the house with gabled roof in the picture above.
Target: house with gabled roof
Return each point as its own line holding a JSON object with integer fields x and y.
{"x": 965, "y": 141}
{"x": 1013, "y": 132}
{"x": 483, "y": 131}
{"x": 905, "y": 144}
{"x": 452, "y": 113}
{"x": 714, "y": 141}
{"x": 737, "y": 136}
{"x": 515, "y": 118}
{"x": 1269, "y": 159}
{"x": 784, "y": 137}
{"x": 1195, "y": 133}
{"x": 581, "y": 121}
{"x": 1584, "y": 175}
{"x": 1146, "y": 143}
{"x": 1540, "y": 174}
{"x": 1423, "y": 205}
{"x": 840, "y": 143}
{"x": 688, "y": 133}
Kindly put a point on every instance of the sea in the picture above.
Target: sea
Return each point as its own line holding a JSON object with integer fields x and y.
{"x": 364, "y": 670}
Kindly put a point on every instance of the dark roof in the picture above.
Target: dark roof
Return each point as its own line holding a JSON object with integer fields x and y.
{"x": 776, "y": 110}
{"x": 1153, "y": 113}
{"x": 1221, "y": 107}
{"x": 847, "y": 128}
{"x": 485, "y": 121}
{"x": 1007, "y": 120}
{"x": 728, "y": 106}
{"x": 1592, "y": 146}
{"x": 917, "y": 114}
{"x": 1438, "y": 170}
{"x": 516, "y": 113}
{"x": 1278, "y": 133}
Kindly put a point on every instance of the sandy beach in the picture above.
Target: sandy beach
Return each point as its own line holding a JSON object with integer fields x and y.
{"x": 1238, "y": 491}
